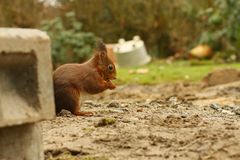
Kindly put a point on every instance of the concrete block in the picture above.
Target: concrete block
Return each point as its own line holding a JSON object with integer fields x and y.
{"x": 26, "y": 88}
{"x": 22, "y": 142}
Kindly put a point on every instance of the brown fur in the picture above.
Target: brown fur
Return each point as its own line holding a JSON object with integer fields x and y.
{"x": 92, "y": 77}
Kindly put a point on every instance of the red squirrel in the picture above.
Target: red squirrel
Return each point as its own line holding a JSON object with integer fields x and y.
{"x": 92, "y": 77}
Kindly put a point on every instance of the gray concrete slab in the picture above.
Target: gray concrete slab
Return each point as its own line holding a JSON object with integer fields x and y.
{"x": 22, "y": 142}
{"x": 26, "y": 88}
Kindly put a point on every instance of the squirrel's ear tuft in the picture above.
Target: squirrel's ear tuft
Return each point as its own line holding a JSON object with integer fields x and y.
{"x": 100, "y": 46}
{"x": 101, "y": 49}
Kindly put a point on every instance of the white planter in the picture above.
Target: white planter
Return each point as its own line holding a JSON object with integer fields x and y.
{"x": 131, "y": 53}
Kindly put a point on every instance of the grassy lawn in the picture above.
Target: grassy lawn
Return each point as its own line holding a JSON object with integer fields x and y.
{"x": 160, "y": 71}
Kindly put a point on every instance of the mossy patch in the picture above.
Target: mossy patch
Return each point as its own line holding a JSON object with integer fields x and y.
{"x": 105, "y": 122}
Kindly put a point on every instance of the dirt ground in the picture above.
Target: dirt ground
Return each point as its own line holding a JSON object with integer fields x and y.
{"x": 170, "y": 121}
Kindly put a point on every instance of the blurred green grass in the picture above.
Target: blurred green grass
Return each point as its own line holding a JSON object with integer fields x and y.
{"x": 160, "y": 71}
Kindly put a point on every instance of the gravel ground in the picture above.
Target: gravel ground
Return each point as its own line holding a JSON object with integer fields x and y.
{"x": 171, "y": 121}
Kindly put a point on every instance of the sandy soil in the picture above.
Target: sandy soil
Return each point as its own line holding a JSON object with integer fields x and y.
{"x": 173, "y": 121}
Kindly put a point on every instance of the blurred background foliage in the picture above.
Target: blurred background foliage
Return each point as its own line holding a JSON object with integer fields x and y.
{"x": 167, "y": 27}
{"x": 70, "y": 43}
{"x": 222, "y": 28}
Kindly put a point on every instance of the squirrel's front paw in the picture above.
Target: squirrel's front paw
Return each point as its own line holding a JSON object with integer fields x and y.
{"x": 111, "y": 85}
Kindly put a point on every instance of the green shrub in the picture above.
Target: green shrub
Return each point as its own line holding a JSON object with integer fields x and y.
{"x": 222, "y": 30}
{"x": 166, "y": 26}
{"x": 69, "y": 42}
{"x": 114, "y": 19}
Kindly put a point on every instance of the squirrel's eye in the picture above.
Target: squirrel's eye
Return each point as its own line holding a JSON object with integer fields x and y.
{"x": 110, "y": 67}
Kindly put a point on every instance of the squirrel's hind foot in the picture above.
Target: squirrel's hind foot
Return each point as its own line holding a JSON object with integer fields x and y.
{"x": 82, "y": 113}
